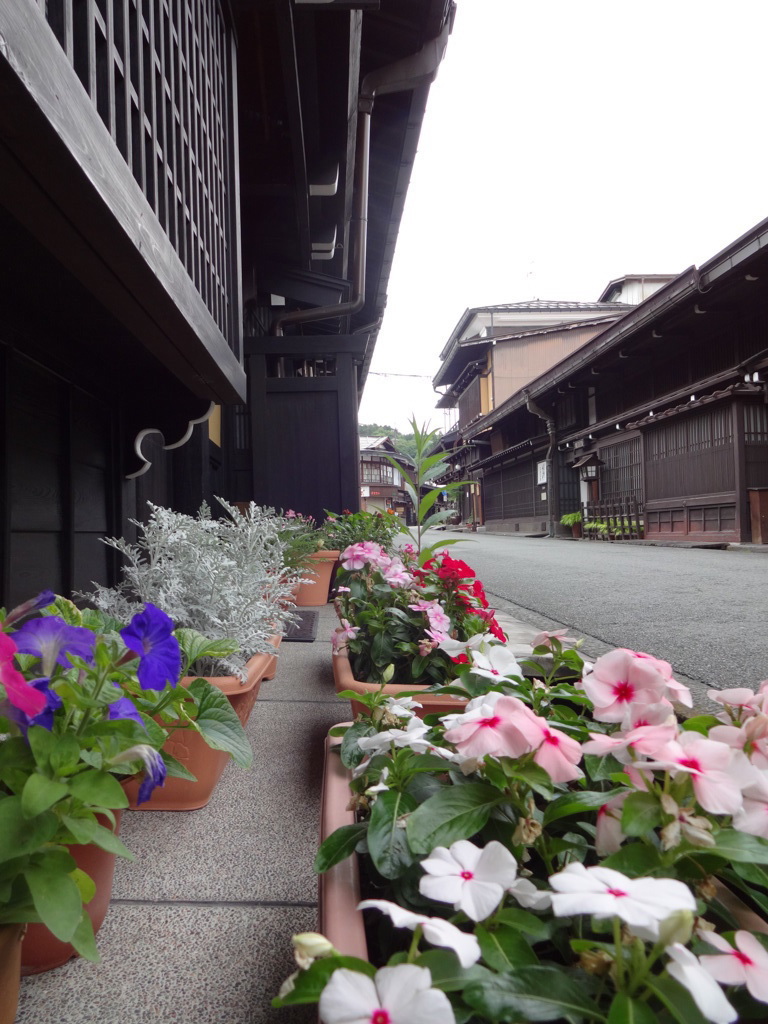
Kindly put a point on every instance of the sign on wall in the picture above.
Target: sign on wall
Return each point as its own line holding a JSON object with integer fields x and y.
{"x": 541, "y": 472}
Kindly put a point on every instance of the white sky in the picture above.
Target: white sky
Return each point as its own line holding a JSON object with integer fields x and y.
{"x": 567, "y": 143}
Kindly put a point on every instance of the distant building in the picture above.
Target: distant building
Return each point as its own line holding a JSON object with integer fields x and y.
{"x": 382, "y": 486}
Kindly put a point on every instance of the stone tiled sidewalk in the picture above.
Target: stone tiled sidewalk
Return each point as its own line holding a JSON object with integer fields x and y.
{"x": 200, "y": 924}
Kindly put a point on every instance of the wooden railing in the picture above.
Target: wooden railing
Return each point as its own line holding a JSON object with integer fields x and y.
{"x": 613, "y": 520}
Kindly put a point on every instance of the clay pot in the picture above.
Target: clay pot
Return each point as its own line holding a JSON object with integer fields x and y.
{"x": 315, "y": 593}
{"x": 430, "y": 702}
{"x": 339, "y": 888}
{"x": 10, "y": 970}
{"x": 189, "y": 747}
{"x": 40, "y": 949}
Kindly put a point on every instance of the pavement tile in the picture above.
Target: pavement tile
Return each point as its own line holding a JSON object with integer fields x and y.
{"x": 176, "y": 963}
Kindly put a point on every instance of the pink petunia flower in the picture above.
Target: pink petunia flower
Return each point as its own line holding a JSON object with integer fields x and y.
{"x": 20, "y": 693}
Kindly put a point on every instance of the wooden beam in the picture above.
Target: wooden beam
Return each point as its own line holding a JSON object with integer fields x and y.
{"x": 63, "y": 178}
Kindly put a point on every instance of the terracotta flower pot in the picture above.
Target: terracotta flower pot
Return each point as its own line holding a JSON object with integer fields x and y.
{"x": 339, "y": 888}
{"x": 315, "y": 593}
{"x": 430, "y": 702}
{"x": 10, "y": 970}
{"x": 189, "y": 747}
{"x": 40, "y": 949}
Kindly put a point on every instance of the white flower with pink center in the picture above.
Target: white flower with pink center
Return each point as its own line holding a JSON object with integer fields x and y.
{"x": 495, "y": 663}
{"x": 739, "y": 703}
{"x": 477, "y": 642}
{"x": 686, "y": 969}
{"x": 471, "y": 878}
{"x": 545, "y": 638}
{"x": 747, "y": 964}
{"x": 396, "y": 995}
{"x": 642, "y": 903}
{"x": 609, "y": 835}
{"x": 642, "y": 741}
{"x": 436, "y": 930}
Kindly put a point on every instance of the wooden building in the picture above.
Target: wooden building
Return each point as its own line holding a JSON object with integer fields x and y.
{"x": 663, "y": 411}
{"x": 174, "y": 175}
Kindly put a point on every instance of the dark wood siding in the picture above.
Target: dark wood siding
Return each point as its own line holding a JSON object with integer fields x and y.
{"x": 469, "y": 403}
{"x": 621, "y": 476}
{"x": 691, "y": 455}
{"x": 756, "y": 444}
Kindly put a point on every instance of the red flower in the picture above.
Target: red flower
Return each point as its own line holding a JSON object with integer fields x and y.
{"x": 461, "y": 660}
{"x": 493, "y": 626}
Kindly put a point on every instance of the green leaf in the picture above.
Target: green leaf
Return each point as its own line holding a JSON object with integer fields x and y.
{"x": 339, "y": 845}
{"x": 532, "y": 994}
{"x": 601, "y": 768}
{"x": 455, "y": 813}
{"x": 98, "y": 789}
{"x": 634, "y": 859}
{"x": 65, "y": 755}
{"x": 753, "y": 873}
{"x": 196, "y": 646}
{"x": 88, "y": 830}
{"x": 677, "y": 1000}
{"x": 526, "y": 922}
{"x": 640, "y": 814}
{"x": 387, "y": 840}
{"x": 575, "y": 803}
{"x": 309, "y": 984}
{"x": 42, "y": 744}
{"x": 39, "y": 794}
{"x": 85, "y": 884}
{"x": 84, "y": 940}
{"x": 504, "y": 948}
{"x": 218, "y": 724}
{"x": 57, "y": 900}
{"x": 700, "y": 723}
{"x": 534, "y": 776}
{"x": 20, "y": 835}
{"x": 625, "y": 1010}
{"x": 175, "y": 769}
{"x": 738, "y": 847}
{"x": 447, "y": 973}
{"x": 351, "y": 754}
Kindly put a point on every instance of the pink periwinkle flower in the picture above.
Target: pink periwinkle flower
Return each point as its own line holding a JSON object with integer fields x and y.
{"x": 557, "y": 753}
{"x": 739, "y": 703}
{"x": 642, "y": 741}
{"x": 342, "y": 635}
{"x": 609, "y": 835}
{"x": 752, "y": 817}
{"x": 622, "y": 678}
{"x": 747, "y": 964}
{"x": 545, "y": 638}
{"x": 718, "y": 773}
{"x": 491, "y": 728}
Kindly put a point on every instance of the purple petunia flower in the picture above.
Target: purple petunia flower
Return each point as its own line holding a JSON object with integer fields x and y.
{"x": 150, "y": 635}
{"x": 154, "y": 768}
{"x": 45, "y": 717}
{"x": 124, "y": 708}
{"x": 51, "y": 639}
{"x": 34, "y": 604}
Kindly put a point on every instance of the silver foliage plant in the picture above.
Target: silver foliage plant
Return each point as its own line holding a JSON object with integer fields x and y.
{"x": 222, "y": 577}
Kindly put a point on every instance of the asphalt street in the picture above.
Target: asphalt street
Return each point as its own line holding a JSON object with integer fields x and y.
{"x": 703, "y": 610}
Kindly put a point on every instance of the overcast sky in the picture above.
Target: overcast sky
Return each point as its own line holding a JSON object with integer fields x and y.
{"x": 567, "y": 143}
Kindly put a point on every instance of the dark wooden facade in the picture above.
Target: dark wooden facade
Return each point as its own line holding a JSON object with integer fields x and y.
{"x": 160, "y": 161}
{"x": 671, "y": 400}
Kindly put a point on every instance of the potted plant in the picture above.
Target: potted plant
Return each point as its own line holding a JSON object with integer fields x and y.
{"x": 222, "y": 577}
{"x": 343, "y": 529}
{"x": 572, "y": 519}
{"x": 553, "y": 852}
{"x": 78, "y": 715}
{"x": 309, "y": 554}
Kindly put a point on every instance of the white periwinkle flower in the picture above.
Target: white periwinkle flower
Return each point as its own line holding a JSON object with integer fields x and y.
{"x": 436, "y": 930}
{"x": 396, "y": 995}
{"x": 642, "y": 903}
{"x": 471, "y": 878}
{"x": 412, "y": 736}
{"x": 686, "y": 969}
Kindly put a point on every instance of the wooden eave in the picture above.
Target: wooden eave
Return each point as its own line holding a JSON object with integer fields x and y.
{"x": 65, "y": 181}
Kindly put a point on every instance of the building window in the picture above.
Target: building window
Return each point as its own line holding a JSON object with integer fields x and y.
{"x": 377, "y": 471}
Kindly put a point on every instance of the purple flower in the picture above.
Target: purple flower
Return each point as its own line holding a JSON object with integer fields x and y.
{"x": 45, "y": 717}
{"x": 154, "y": 768}
{"x": 51, "y": 639}
{"x": 34, "y": 604}
{"x": 150, "y": 635}
{"x": 124, "y": 708}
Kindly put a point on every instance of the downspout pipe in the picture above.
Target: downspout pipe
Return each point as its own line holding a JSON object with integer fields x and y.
{"x": 553, "y": 495}
{"x": 401, "y": 76}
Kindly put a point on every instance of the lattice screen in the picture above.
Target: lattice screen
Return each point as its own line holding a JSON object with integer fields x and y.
{"x": 160, "y": 74}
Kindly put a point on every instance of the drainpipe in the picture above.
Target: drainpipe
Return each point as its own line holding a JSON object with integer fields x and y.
{"x": 401, "y": 76}
{"x": 553, "y": 495}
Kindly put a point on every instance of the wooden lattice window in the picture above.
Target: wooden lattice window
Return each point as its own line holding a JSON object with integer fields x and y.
{"x": 160, "y": 74}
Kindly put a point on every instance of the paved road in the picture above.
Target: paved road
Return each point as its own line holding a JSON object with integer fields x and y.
{"x": 704, "y": 610}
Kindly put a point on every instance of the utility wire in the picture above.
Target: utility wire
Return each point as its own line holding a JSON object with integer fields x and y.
{"x": 382, "y": 373}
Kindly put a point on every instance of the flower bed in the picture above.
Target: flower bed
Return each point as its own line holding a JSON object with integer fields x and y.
{"x": 554, "y": 851}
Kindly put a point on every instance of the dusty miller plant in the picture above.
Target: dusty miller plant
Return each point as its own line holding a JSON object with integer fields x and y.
{"x": 222, "y": 577}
